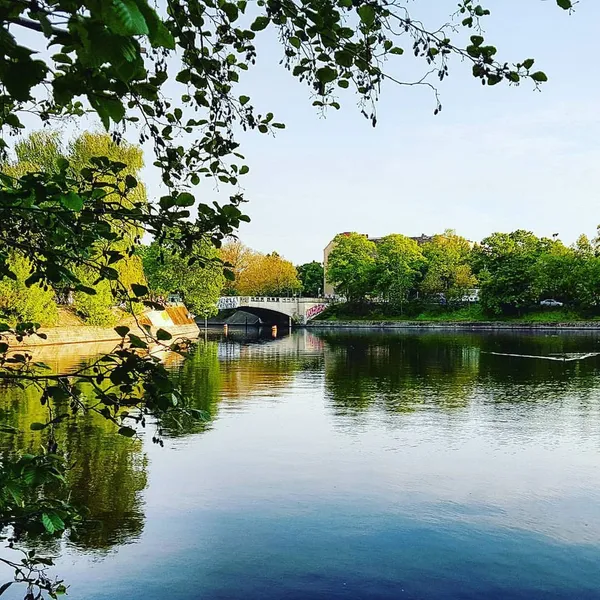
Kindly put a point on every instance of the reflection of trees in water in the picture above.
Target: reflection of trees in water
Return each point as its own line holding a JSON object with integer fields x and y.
{"x": 389, "y": 372}
{"x": 107, "y": 474}
{"x": 229, "y": 371}
{"x": 398, "y": 372}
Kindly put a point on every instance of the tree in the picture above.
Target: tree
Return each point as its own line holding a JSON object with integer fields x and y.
{"x": 237, "y": 259}
{"x": 44, "y": 151}
{"x": 398, "y": 268}
{"x": 311, "y": 276}
{"x": 20, "y": 303}
{"x": 268, "y": 275}
{"x": 506, "y": 264}
{"x": 557, "y": 271}
{"x": 350, "y": 266}
{"x": 448, "y": 269}
{"x": 115, "y": 59}
{"x": 199, "y": 283}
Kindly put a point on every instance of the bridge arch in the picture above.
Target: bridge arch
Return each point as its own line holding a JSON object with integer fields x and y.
{"x": 276, "y": 310}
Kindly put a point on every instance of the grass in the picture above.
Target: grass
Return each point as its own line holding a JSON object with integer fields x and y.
{"x": 466, "y": 314}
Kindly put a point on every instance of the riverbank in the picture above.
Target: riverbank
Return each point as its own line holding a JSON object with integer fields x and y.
{"x": 174, "y": 319}
{"x": 458, "y": 325}
{"x": 466, "y": 317}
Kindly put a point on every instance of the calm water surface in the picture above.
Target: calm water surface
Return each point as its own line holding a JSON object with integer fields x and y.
{"x": 348, "y": 465}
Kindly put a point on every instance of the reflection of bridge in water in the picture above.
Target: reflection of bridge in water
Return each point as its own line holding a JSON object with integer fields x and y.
{"x": 276, "y": 310}
{"x": 299, "y": 344}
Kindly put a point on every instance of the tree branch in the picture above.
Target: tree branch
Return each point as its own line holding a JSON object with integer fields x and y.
{"x": 35, "y": 26}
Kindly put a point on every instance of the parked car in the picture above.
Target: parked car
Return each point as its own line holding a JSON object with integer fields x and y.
{"x": 551, "y": 302}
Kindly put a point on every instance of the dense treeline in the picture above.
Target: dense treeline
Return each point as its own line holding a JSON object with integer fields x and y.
{"x": 44, "y": 151}
{"x": 198, "y": 279}
{"x": 513, "y": 271}
{"x": 257, "y": 274}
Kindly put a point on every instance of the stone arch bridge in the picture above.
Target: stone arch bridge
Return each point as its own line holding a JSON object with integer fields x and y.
{"x": 276, "y": 310}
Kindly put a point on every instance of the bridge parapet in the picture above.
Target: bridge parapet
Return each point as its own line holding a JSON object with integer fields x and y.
{"x": 300, "y": 310}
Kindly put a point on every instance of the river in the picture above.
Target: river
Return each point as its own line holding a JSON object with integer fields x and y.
{"x": 380, "y": 465}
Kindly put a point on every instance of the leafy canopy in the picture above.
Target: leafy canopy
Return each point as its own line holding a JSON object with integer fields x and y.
{"x": 199, "y": 281}
{"x": 398, "y": 267}
{"x": 350, "y": 265}
{"x": 311, "y": 276}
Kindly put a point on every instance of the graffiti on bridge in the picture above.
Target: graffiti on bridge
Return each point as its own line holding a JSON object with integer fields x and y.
{"x": 315, "y": 310}
{"x": 228, "y": 302}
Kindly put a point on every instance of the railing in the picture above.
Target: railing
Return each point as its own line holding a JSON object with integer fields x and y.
{"x": 237, "y": 301}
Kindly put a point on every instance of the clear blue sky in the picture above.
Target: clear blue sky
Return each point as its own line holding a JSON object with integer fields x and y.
{"x": 495, "y": 159}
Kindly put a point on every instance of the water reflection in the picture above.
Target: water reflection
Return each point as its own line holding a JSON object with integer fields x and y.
{"x": 349, "y": 465}
{"x": 401, "y": 372}
{"x": 107, "y": 472}
{"x": 237, "y": 368}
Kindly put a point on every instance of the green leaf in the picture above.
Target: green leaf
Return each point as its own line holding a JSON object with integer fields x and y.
{"x": 343, "y": 83}
{"x": 52, "y": 522}
{"x": 565, "y": 4}
{"x": 397, "y": 50}
{"x": 244, "y": 100}
{"x": 163, "y": 335}
{"x": 158, "y": 34}
{"x": 136, "y": 341}
{"x": 367, "y": 14}
{"x": 72, "y": 201}
{"x": 122, "y": 330}
{"x": 124, "y": 17}
{"x": 231, "y": 10}
{"x": 295, "y": 42}
{"x": 127, "y": 431}
{"x": 476, "y": 40}
{"x": 260, "y": 23}
{"x": 37, "y": 426}
{"x": 108, "y": 109}
{"x": 326, "y": 74}
{"x": 130, "y": 181}
{"x": 185, "y": 199}
{"x": 139, "y": 290}
{"x": 15, "y": 491}
{"x": 527, "y": 64}
{"x": 20, "y": 76}
{"x": 62, "y": 58}
{"x": 344, "y": 58}
{"x": 539, "y": 76}
{"x": 244, "y": 169}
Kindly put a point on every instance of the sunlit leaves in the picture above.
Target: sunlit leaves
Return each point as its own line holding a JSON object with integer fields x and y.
{"x": 72, "y": 201}
{"x": 52, "y": 522}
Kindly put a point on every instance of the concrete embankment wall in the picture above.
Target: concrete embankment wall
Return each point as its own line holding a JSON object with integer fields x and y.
{"x": 174, "y": 319}
{"x": 464, "y": 326}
